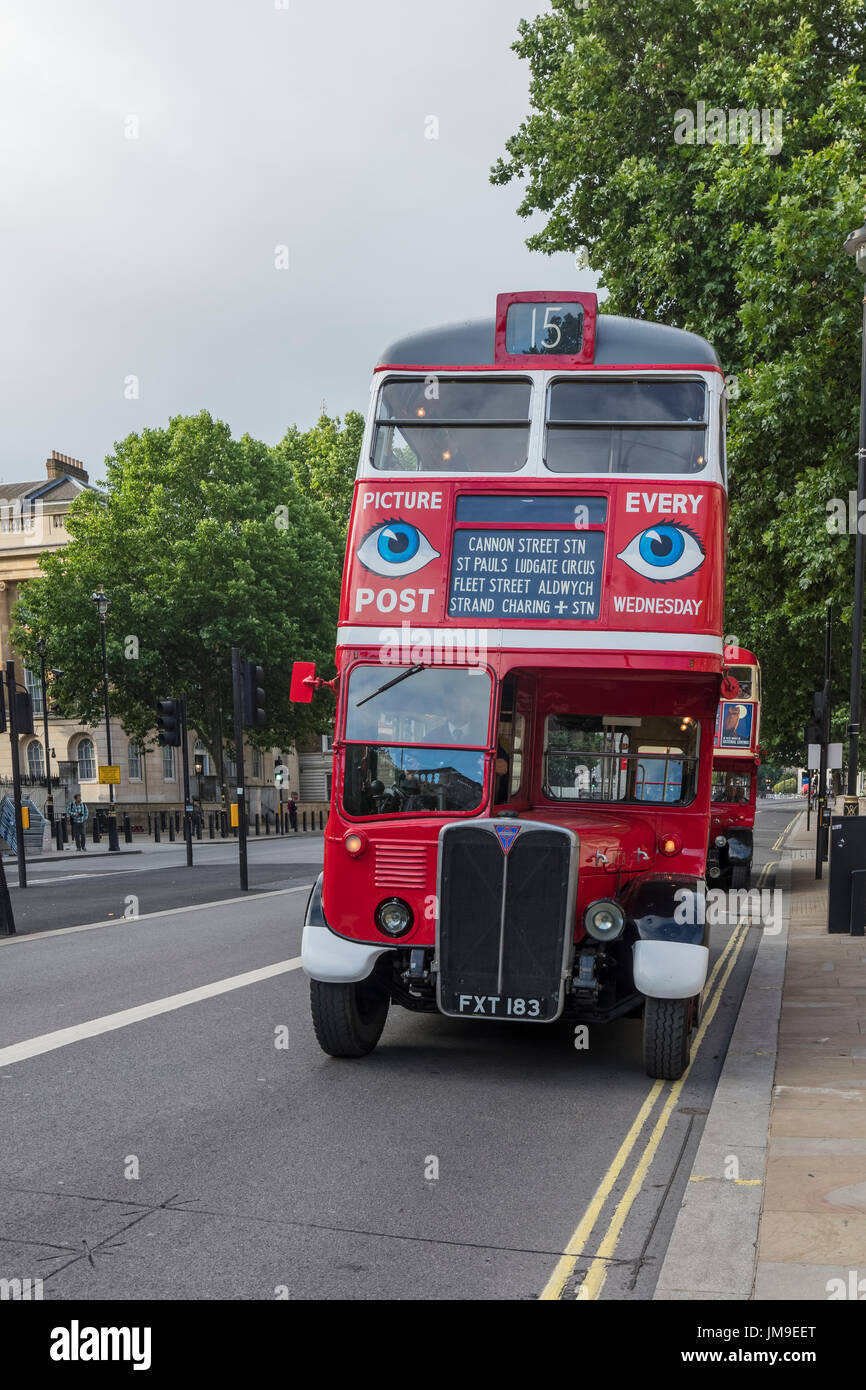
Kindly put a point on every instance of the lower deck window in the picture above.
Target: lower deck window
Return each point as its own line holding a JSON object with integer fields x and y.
{"x": 641, "y": 758}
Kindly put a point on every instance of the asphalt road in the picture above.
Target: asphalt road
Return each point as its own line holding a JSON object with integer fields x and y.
{"x": 89, "y": 888}
{"x": 212, "y": 1151}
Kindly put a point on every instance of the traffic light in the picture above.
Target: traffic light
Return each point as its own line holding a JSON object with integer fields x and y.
{"x": 279, "y": 772}
{"x": 252, "y": 684}
{"x": 818, "y": 728}
{"x": 23, "y": 712}
{"x": 168, "y": 723}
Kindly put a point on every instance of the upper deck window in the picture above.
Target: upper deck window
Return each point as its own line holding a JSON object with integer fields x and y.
{"x": 452, "y": 425}
{"x": 634, "y": 426}
{"x": 744, "y": 676}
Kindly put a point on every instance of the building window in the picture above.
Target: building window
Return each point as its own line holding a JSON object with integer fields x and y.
{"x": 168, "y": 763}
{"x": 201, "y": 760}
{"x": 33, "y": 683}
{"x": 256, "y": 762}
{"x": 86, "y": 761}
{"x": 231, "y": 767}
{"x": 35, "y": 759}
{"x": 133, "y": 760}
{"x": 58, "y": 522}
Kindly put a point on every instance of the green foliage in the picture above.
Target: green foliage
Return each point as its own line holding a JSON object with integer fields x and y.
{"x": 787, "y": 786}
{"x": 737, "y": 244}
{"x": 201, "y": 542}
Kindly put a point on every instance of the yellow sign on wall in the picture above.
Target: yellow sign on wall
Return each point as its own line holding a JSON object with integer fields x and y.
{"x": 109, "y": 773}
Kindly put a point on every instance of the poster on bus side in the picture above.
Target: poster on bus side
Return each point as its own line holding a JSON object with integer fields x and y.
{"x": 736, "y": 721}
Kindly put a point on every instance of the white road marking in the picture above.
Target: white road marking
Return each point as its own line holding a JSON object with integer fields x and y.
{"x": 48, "y": 1042}
{"x": 144, "y": 916}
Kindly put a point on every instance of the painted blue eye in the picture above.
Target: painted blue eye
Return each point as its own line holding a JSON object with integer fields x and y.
{"x": 664, "y": 552}
{"x": 395, "y": 548}
{"x": 398, "y": 542}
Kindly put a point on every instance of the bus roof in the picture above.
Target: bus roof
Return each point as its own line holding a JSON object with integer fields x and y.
{"x": 618, "y": 342}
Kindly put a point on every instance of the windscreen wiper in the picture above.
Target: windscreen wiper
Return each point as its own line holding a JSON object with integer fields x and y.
{"x": 404, "y": 676}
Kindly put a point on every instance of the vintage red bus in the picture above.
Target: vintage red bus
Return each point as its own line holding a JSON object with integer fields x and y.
{"x": 529, "y": 664}
{"x": 736, "y": 758}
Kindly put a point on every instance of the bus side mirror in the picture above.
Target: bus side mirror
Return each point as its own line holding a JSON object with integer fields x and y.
{"x": 301, "y": 688}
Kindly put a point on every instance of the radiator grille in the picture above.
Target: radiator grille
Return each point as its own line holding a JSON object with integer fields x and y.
{"x": 504, "y": 920}
{"x": 399, "y": 865}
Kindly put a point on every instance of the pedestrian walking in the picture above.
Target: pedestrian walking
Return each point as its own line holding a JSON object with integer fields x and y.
{"x": 293, "y": 813}
{"x": 78, "y": 814}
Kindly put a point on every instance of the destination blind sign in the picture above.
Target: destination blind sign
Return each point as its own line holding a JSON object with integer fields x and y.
{"x": 536, "y": 574}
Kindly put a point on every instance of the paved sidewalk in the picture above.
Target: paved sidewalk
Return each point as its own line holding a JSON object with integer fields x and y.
{"x": 776, "y": 1202}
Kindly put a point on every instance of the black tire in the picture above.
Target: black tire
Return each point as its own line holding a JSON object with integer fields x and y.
{"x": 667, "y": 1026}
{"x": 348, "y": 1019}
{"x": 740, "y": 875}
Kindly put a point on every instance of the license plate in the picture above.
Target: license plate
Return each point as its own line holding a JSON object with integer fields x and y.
{"x": 499, "y": 1006}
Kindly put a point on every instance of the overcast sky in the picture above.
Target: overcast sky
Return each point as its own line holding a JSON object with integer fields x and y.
{"x": 257, "y": 127}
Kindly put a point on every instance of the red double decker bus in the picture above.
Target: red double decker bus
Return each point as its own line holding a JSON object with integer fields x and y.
{"x": 736, "y": 758}
{"x": 529, "y": 662}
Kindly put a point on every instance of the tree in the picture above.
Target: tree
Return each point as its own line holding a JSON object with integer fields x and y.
{"x": 324, "y": 461}
{"x": 737, "y": 240}
{"x": 201, "y": 542}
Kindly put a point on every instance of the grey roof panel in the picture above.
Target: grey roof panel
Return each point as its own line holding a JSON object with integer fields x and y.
{"x": 618, "y": 341}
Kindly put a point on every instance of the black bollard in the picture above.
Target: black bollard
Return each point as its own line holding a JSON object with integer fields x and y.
{"x": 171, "y": 829}
{"x": 267, "y": 822}
{"x": 96, "y": 832}
{"x": 304, "y": 826}
{"x": 156, "y": 830}
{"x": 162, "y": 821}
{"x": 127, "y": 830}
{"x": 65, "y": 823}
{"x": 321, "y": 821}
{"x": 257, "y": 822}
{"x": 58, "y": 834}
{"x": 210, "y": 824}
{"x": 198, "y": 827}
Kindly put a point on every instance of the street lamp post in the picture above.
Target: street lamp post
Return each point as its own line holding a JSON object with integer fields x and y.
{"x": 101, "y": 602}
{"x": 49, "y": 799}
{"x": 855, "y": 245}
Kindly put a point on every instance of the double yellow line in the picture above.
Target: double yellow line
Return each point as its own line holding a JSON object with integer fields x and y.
{"x": 576, "y": 1247}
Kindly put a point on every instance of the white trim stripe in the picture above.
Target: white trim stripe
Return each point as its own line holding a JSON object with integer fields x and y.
{"x": 538, "y": 639}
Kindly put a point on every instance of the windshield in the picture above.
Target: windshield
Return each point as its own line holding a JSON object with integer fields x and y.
{"x": 643, "y": 758}
{"x": 731, "y": 786}
{"x": 598, "y": 426}
{"x": 432, "y": 706}
{"x": 442, "y": 714}
{"x": 452, "y": 425}
{"x": 388, "y": 781}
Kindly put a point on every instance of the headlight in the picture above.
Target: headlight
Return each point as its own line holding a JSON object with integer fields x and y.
{"x": 394, "y": 917}
{"x": 720, "y": 842}
{"x": 604, "y": 920}
{"x": 354, "y": 843}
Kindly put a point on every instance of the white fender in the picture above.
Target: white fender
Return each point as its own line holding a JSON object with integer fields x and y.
{"x": 334, "y": 960}
{"x": 669, "y": 969}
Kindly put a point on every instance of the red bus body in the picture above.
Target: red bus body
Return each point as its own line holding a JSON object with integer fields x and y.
{"x": 535, "y": 591}
{"x": 736, "y": 758}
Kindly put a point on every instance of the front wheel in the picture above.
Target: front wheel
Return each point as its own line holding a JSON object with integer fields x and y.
{"x": 667, "y": 1026}
{"x": 740, "y": 875}
{"x": 348, "y": 1019}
